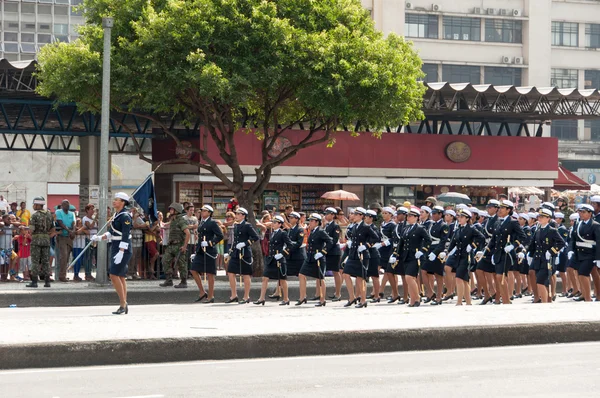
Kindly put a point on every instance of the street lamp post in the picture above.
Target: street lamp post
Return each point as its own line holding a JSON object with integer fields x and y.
{"x": 101, "y": 274}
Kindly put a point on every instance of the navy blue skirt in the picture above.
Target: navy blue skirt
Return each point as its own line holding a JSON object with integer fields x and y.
{"x": 121, "y": 268}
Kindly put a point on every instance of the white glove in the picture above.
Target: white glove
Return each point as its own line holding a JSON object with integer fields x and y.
{"x": 362, "y": 248}
{"x": 226, "y": 255}
{"x": 392, "y": 260}
{"x": 492, "y": 260}
{"x": 529, "y": 259}
{"x": 557, "y": 261}
{"x": 469, "y": 248}
{"x": 521, "y": 256}
{"x": 118, "y": 257}
{"x": 418, "y": 255}
{"x": 377, "y": 245}
{"x": 192, "y": 257}
{"x": 240, "y": 245}
{"x": 569, "y": 255}
{"x": 96, "y": 238}
{"x": 597, "y": 263}
{"x": 204, "y": 243}
{"x": 508, "y": 248}
{"x": 318, "y": 256}
{"x": 385, "y": 243}
{"x": 442, "y": 255}
{"x": 479, "y": 254}
{"x": 548, "y": 255}
{"x": 278, "y": 256}
{"x": 431, "y": 257}
{"x": 302, "y": 245}
{"x": 349, "y": 243}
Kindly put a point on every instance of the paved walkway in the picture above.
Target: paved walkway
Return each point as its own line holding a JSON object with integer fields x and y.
{"x": 80, "y": 324}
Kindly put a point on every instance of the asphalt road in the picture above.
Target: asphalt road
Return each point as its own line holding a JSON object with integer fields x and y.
{"x": 566, "y": 370}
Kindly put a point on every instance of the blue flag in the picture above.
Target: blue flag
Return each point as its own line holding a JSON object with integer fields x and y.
{"x": 146, "y": 199}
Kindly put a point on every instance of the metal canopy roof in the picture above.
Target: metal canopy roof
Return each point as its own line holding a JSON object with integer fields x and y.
{"x": 462, "y": 101}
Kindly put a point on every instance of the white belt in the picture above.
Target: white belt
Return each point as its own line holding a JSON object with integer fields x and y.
{"x": 116, "y": 238}
{"x": 435, "y": 241}
{"x": 585, "y": 244}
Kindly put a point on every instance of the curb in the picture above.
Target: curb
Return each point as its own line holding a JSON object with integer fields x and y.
{"x": 45, "y": 355}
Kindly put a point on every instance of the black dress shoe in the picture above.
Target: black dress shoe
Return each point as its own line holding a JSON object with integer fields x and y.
{"x": 321, "y": 304}
{"x": 376, "y": 300}
{"x": 259, "y": 302}
{"x": 580, "y": 298}
{"x": 393, "y": 299}
{"x": 416, "y": 304}
{"x": 245, "y": 301}
{"x": 350, "y": 303}
{"x": 199, "y": 299}
{"x": 331, "y": 296}
{"x": 315, "y": 298}
{"x": 434, "y": 302}
{"x": 211, "y": 301}
{"x": 120, "y": 311}
{"x": 300, "y": 302}
{"x": 285, "y": 303}
{"x": 450, "y": 297}
{"x": 362, "y": 305}
{"x": 428, "y": 299}
{"x": 232, "y": 300}
{"x": 401, "y": 301}
{"x": 485, "y": 301}
{"x": 370, "y": 296}
{"x": 338, "y": 298}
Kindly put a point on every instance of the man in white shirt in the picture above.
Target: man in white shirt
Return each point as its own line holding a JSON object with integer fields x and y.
{"x": 192, "y": 221}
{"x": 3, "y": 205}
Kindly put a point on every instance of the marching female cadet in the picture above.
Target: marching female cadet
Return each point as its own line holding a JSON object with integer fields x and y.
{"x": 485, "y": 268}
{"x": 204, "y": 261}
{"x": 561, "y": 258}
{"x": 375, "y": 258}
{"x": 523, "y": 267}
{"x": 314, "y": 266}
{"x": 574, "y": 290}
{"x": 544, "y": 246}
{"x": 240, "y": 255}
{"x": 275, "y": 262}
{"x": 432, "y": 266}
{"x": 533, "y": 225}
{"x": 394, "y": 268}
{"x": 466, "y": 239}
{"x": 334, "y": 252}
{"x": 413, "y": 245}
{"x": 357, "y": 264}
{"x": 120, "y": 254}
{"x": 385, "y": 250}
{"x": 508, "y": 235}
{"x": 297, "y": 251}
{"x": 450, "y": 265}
{"x": 584, "y": 248}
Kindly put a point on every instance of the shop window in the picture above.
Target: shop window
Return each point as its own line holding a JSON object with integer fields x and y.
{"x": 462, "y": 28}
{"x": 418, "y": 25}
{"x": 503, "y": 31}
{"x": 499, "y": 76}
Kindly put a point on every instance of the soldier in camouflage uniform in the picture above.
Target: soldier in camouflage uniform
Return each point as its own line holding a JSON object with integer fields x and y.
{"x": 179, "y": 236}
{"x": 41, "y": 226}
{"x": 563, "y": 206}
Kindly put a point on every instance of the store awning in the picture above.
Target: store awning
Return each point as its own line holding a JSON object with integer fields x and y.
{"x": 567, "y": 180}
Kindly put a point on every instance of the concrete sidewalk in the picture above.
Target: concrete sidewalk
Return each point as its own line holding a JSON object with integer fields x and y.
{"x": 50, "y": 337}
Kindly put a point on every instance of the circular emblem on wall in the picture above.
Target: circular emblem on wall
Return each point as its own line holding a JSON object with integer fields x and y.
{"x": 458, "y": 152}
{"x": 280, "y": 144}
{"x": 182, "y": 152}
{"x": 591, "y": 178}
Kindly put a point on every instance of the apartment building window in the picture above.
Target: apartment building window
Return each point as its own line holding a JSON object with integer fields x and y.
{"x": 27, "y": 8}
{"x": 61, "y": 29}
{"x": 564, "y": 129}
{"x": 592, "y": 35}
{"x": 461, "y": 74}
{"x": 503, "y": 31}
{"x": 594, "y": 127}
{"x": 592, "y": 79}
{"x": 564, "y": 78}
{"x": 499, "y": 76}
{"x": 565, "y": 34}
{"x": 417, "y": 25}
{"x": 11, "y": 36}
{"x": 431, "y": 73}
{"x": 11, "y": 7}
{"x": 461, "y": 28}
{"x": 75, "y": 9}
{"x": 45, "y": 10}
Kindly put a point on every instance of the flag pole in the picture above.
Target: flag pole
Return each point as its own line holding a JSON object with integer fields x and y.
{"x": 108, "y": 222}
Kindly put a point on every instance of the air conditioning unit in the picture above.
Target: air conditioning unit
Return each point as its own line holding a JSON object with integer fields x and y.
{"x": 517, "y": 13}
{"x": 409, "y": 5}
{"x": 477, "y": 10}
{"x": 492, "y": 11}
{"x": 506, "y": 60}
{"x": 436, "y": 7}
{"x": 504, "y": 11}
{"x": 519, "y": 60}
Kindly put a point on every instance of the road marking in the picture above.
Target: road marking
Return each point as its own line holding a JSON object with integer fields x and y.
{"x": 223, "y": 363}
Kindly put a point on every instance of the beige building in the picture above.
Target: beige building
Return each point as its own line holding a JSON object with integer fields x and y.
{"x": 519, "y": 42}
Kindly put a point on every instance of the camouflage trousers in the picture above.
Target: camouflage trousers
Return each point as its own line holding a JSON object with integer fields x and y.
{"x": 40, "y": 260}
{"x": 172, "y": 253}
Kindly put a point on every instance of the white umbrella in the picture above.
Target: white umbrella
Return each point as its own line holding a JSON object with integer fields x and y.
{"x": 454, "y": 197}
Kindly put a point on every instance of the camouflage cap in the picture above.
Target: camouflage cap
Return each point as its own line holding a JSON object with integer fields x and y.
{"x": 178, "y": 207}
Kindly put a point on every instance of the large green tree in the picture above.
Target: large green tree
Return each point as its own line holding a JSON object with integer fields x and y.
{"x": 280, "y": 63}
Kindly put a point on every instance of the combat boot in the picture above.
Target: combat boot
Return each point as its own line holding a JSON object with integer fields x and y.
{"x": 167, "y": 282}
{"x": 47, "y": 281}
{"x": 33, "y": 283}
{"x": 182, "y": 284}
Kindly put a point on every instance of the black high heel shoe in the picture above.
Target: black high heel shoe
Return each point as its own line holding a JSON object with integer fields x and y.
{"x": 199, "y": 299}
{"x": 300, "y": 302}
{"x": 120, "y": 311}
{"x": 401, "y": 301}
{"x": 350, "y": 303}
{"x": 245, "y": 301}
{"x": 315, "y": 298}
{"x": 233, "y": 300}
{"x": 362, "y": 305}
{"x": 259, "y": 302}
{"x": 376, "y": 300}
{"x": 416, "y": 304}
{"x": 211, "y": 301}
{"x": 285, "y": 303}
{"x": 321, "y": 304}
{"x": 393, "y": 299}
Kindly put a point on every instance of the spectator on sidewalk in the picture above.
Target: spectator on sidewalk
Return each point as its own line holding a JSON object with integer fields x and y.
{"x": 137, "y": 243}
{"x": 65, "y": 220}
{"x": 13, "y": 209}
{"x": 24, "y": 240}
{"x": 232, "y": 205}
{"x": 9, "y": 257}
{"x": 90, "y": 222}
{"x": 3, "y": 205}
{"x": 23, "y": 215}
{"x": 79, "y": 243}
{"x": 193, "y": 222}
{"x": 151, "y": 240}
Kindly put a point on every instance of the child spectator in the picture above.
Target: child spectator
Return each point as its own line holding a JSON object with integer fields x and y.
{"x": 24, "y": 240}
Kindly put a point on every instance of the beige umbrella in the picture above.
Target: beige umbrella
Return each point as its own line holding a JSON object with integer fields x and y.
{"x": 339, "y": 195}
